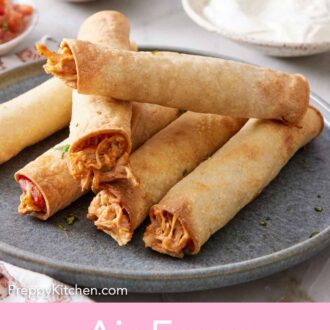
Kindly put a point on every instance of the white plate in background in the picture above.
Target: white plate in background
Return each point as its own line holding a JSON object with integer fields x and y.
{"x": 195, "y": 10}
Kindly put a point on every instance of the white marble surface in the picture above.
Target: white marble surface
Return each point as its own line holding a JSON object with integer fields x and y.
{"x": 164, "y": 23}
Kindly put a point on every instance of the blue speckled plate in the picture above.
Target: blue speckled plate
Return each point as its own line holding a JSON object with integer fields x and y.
{"x": 244, "y": 250}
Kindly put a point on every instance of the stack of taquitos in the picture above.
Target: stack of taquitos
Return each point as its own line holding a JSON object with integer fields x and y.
{"x": 203, "y": 201}
{"x": 100, "y": 129}
{"x": 100, "y": 140}
{"x": 159, "y": 164}
{"x": 47, "y": 183}
{"x": 208, "y": 198}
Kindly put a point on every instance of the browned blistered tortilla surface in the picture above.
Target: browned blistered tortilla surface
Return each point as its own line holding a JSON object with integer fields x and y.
{"x": 167, "y": 157}
{"x": 208, "y": 198}
{"x": 195, "y": 83}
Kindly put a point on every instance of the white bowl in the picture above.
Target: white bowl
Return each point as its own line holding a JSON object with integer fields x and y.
{"x": 195, "y": 10}
{"x": 10, "y": 45}
{"x": 77, "y": 0}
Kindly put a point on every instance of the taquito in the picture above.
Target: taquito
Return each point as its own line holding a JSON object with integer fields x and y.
{"x": 32, "y": 116}
{"x": 207, "y": 199}
{"x": 46, "y": 183}
{"x": 158, "y": 165}
{"x": 100, "y": 129}
{"x": 195, "y": 83}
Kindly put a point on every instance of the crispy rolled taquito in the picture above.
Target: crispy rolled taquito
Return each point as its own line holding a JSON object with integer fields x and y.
{"x": 159, "y": 164}
{"x": 47, "y": 185}
{"x": 100, "y": 129}
{"x": 209, "y": 197}
{"x": 32, "y": 116}
{"x": 196, "y": 83}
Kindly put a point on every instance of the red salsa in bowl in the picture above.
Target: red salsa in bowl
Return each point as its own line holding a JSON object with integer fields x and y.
{"x": 14, "y": 19}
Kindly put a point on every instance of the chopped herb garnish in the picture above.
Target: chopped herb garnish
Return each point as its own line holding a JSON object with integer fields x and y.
{"x": 5, "y": 26}
{"x": 184, "y": 172}
{"x": 61, "y": 226}
{"x": 70, "y": 219}
{"x": 318, "y": 196}
{"x": 314, "y": 233}
{"x": 182, "y": 111}
{"x": 318, "y": 208}
{"x": 99, "y": 112}
{"x": 154, "y": 52}
{"x": 77, "y": 125}
{"x": 65, "y": 148}
{"x": 264, "y": 222}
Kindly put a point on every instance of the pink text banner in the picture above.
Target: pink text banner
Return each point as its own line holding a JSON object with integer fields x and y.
{"x": 165, "y": 316}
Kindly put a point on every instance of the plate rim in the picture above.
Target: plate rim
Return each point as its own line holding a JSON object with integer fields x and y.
{"x": 301, "y": 249}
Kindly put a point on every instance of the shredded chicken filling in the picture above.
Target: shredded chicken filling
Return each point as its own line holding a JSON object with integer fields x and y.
{"x": 166, "y": 234}
{"x": 62, "y": 64}
{"x": 92, "y": 161}
{"x": 109, "y": 216}
{"x": 31, "y": 199}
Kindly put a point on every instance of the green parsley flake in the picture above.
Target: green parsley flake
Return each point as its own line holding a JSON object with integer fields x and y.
{"x": 61, "y": 226}
{"x": 318, "y": 208}
{"x": 154, "y": 52}
{"x": 318, "y": 196}
{"x": 64, "y": 148}
{"x": 99, "y": 112}
{"x": 70, "y": 219}
{"x": 5, "y": 27}
{"x": 77, "y": 125}
{"x": 314, "y": 233}
{"x": 263, "y": 223}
